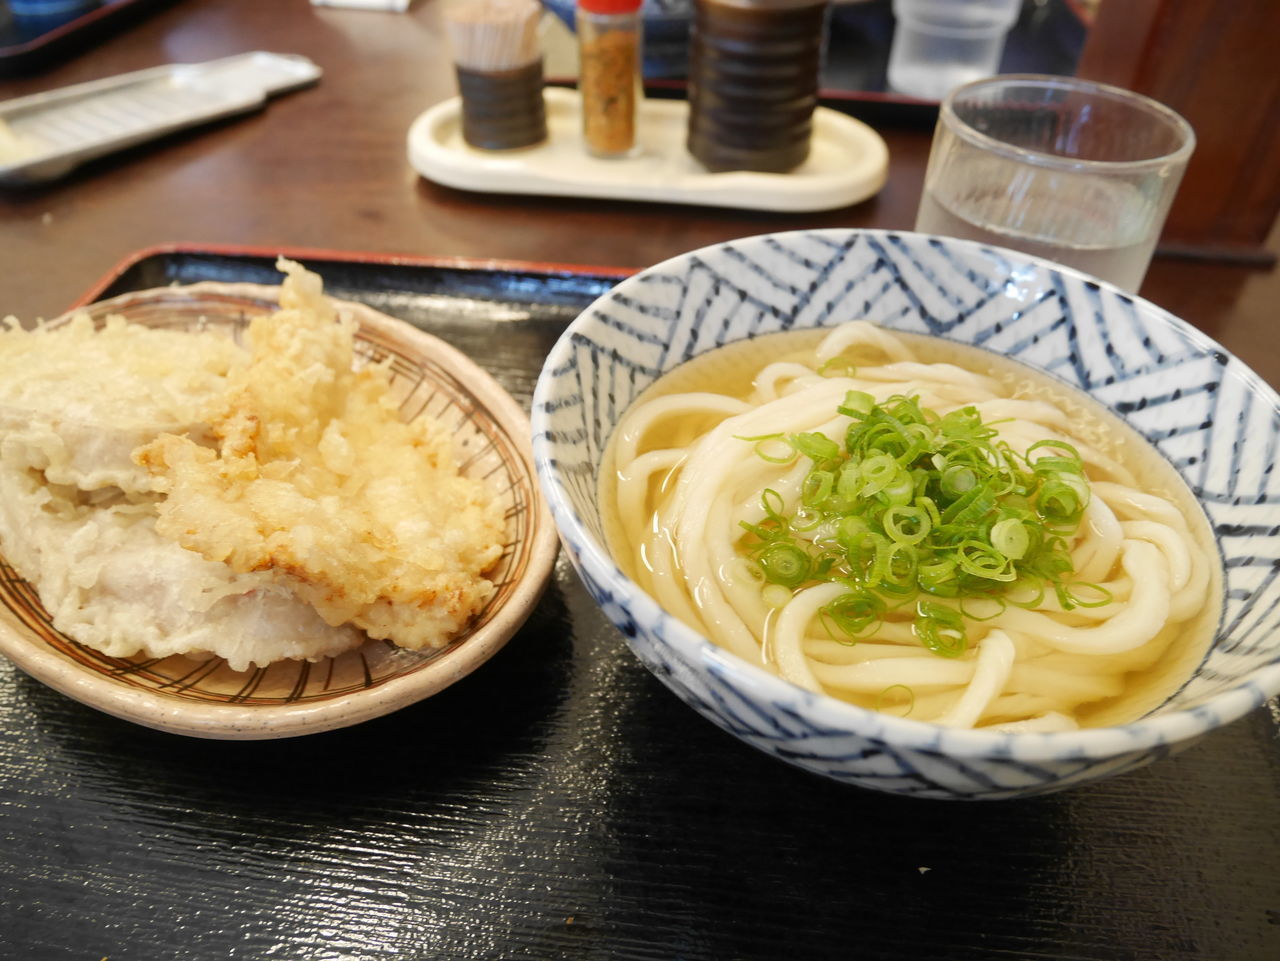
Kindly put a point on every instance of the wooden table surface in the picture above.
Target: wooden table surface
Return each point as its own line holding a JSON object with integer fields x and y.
{"x": 326, "y": 167}
{"x": 560, "y": 803}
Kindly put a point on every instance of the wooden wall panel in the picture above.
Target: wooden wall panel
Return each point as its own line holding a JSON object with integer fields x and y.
{"x": 1216, "y": 64}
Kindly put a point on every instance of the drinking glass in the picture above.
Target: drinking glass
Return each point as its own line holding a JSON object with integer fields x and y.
{"x": 1073, "y": 171}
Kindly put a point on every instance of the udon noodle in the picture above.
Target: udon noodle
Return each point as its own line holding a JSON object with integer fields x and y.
{"x": 708, "y": 455}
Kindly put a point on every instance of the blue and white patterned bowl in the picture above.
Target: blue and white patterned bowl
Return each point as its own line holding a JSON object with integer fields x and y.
{"x": 1177, "y": 387}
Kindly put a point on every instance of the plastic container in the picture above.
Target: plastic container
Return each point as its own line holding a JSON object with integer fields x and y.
{"x": 609, "y": 53}
{"x": 753, "y": 82}
{"x": 940, "y": 44}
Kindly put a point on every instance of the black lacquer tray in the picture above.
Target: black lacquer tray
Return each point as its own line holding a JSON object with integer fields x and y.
{"x": 561, "y": 803}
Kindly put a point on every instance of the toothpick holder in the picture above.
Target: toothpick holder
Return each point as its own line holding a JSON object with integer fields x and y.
{"x": 503, "y": 109}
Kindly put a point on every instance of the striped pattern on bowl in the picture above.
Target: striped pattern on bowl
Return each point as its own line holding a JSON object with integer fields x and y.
{"x": 1214, "y": 419}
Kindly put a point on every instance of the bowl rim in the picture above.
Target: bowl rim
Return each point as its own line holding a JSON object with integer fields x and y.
{"x": 230, "y": 721}
{"x": 1162, "y": 730}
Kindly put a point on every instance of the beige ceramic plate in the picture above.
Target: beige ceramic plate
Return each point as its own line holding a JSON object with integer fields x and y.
{"x": 205, "y": 698}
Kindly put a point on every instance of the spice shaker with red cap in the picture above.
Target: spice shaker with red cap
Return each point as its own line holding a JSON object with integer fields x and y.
{"x": 609, "y": 80}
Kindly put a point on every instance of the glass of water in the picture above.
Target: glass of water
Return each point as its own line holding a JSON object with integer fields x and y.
{"x": 1073, "y": 171}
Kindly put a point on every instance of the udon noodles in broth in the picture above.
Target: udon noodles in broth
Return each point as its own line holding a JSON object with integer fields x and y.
{"x": 915, "y": 527}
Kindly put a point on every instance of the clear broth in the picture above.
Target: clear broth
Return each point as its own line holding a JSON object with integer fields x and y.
{"x": 731, "y": 369}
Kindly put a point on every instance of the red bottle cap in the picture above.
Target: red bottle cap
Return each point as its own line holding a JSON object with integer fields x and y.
{"x": 610, "y": 6}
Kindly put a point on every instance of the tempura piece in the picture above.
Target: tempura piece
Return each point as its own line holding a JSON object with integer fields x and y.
{"x": 97, "y": 395}
{"x": 314, "y": 477}
{"x": 110, "y": 582}
{"x": 77, "y": 515}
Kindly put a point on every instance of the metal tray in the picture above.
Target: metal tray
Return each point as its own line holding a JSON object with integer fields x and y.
{"x": 561, "y": 803}
{"x": 47, "y": 135}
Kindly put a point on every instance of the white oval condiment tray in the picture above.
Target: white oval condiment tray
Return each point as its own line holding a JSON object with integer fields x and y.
{"x": 47, "y": 135}
{"x": 848, "y": 161}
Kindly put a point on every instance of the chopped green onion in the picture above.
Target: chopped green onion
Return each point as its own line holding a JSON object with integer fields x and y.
{"x": 957, "y": 479}
{"x": 856, "y": 404}
{"x": 906, "y": 525}
{"x": 1073, "y": 455}
{"x": 763, "y": 533}
{"x": 983, "y": 560}
{"x": 850, "y": 529}
{"x": 939, "y": 577}
{"x": 900, "y": 491}
{"x": 817, "y": 488}
{"x": 773, "y": 504}
{"x": 849, "y": 481}
{"x": 878, "y": 472}
{"x": 806, "y": 520}
{"x": 940, "y": 629}
{"x": 785, "y": 564}
{"x": 1010, "y": 538}
{"x": 854, "y": 612}
{"x": 1061, "y": 502}
{"x": 916, "y": 506}
{"x": 1073, "y": 591}
{"x": 837, "y": 367}
{"x": 883, "y": 697}
{"x": 785, "y": 453}
{"x": 817, "y": 447}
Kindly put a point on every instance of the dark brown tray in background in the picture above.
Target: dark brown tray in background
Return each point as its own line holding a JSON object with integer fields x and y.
{"x": 31, "y": 44}
{"x": 561, "y": 803}
{"x": 1047, "y": 37}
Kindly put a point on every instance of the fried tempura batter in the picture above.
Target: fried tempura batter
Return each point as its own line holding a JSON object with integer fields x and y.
{"x": 315, "y": 477}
